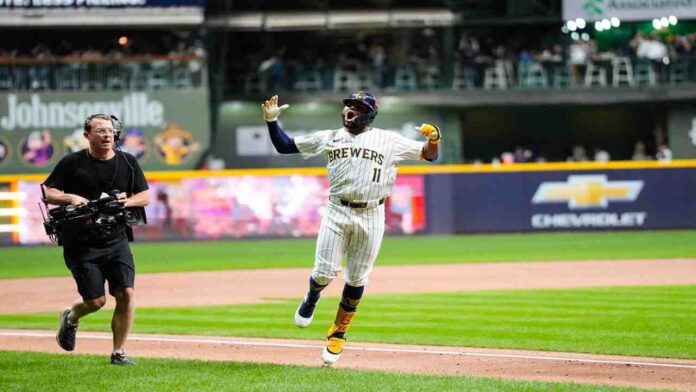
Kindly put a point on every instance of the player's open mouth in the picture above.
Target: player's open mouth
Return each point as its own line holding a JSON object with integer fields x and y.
{"x": 350, "y": 115}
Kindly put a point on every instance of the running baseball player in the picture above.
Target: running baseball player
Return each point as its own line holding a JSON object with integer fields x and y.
{"x": 362, "y": 163}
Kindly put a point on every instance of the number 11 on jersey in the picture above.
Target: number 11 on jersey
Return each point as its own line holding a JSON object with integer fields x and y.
{"x": 376, "y": 173}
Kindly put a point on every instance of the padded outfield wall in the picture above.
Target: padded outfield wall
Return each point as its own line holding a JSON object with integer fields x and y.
{"x": 446, "y": 199}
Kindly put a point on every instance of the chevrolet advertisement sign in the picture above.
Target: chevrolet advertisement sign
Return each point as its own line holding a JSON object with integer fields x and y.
{"x": 583, "y": 192}
{"x": 650, "y": 197}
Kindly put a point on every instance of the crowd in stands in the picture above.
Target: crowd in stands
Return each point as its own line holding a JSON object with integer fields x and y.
{"x": 476, "y": 60}
{"x": 113, "y": 62}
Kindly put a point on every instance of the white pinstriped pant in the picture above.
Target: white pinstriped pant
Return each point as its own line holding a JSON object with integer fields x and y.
{"x": 355, "y": 232}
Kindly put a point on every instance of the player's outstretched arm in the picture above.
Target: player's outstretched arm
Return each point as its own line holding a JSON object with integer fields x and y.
{"x": 431, "y": 148}
{"x": 283, "y": 143}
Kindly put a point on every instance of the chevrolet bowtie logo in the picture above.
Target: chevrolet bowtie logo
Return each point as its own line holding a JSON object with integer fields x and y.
{"x": 584, "y": 191}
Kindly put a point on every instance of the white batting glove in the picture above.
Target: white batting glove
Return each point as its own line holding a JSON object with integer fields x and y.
{"x": 271, "y": 110}
{"x": 432, "y": 132}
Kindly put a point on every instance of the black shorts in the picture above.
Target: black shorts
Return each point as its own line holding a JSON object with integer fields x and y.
{"x": 91, "y": 266}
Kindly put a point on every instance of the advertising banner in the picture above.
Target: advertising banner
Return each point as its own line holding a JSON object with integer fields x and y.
{"x": 164, "y": 129}
{"x": 238, "y": 207}
{"x": 628, "y": 10}
{"x": 567, "y": 200}
{"x": 99, "y": 3}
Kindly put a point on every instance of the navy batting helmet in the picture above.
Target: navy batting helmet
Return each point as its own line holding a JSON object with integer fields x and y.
{"x": 367, "y": 99}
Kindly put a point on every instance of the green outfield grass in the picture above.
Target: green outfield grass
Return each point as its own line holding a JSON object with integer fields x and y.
{"x": 24, "y": 371}
{"x": 639, "y": 321}
{"x": 201, "y": 256}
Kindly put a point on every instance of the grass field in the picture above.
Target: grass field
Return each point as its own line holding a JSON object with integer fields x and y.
{"x": 50, "y": 372}
{"x": 200, "y": 256}
{"x": 639, "y": 321}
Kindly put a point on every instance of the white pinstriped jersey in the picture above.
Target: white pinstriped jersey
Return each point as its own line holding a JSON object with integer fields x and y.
{"x": 361, "y": 167}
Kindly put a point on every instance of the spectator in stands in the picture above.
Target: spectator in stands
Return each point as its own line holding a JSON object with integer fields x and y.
{"x": 578, "y": 154}
{"x": 601, "y": 155}
{"x": 664, "y": 154}
{"x": 639, "y": 152}
{"x": 378, "y": 56}
{"x": 274, "y": 68}
{"x": 579, "y": 54}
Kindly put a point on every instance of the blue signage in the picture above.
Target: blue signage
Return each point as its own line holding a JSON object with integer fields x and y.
{"x": 562, "y": 200}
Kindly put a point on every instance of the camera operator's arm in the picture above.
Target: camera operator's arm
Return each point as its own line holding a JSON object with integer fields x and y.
{"x": 140, "y": 199}
{"x": 58, "y": 197}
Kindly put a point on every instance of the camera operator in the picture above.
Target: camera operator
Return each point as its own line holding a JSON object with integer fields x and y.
{"x": 88, "y": 175}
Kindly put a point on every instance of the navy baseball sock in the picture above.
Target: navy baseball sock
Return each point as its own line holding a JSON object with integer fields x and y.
{"x": 314, "y": 291}
{"x": 351, "y": 297}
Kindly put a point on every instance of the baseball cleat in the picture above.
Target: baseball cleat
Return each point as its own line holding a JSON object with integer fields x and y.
{"x": 66, "y": 331}
{"x": 304, "y": 314}
{"x": 332, "y": 351}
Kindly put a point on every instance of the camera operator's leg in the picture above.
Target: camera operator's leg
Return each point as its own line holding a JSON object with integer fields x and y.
{"x": 90, "y": 285}
{"x": 121, "y": 323}
{"x": 121, "y": 276}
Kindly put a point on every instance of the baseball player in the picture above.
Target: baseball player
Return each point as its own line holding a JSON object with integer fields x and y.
{"x": 362, "y": 163}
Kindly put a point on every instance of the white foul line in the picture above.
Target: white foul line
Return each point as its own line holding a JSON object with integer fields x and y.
{"x": 375, "y": 349}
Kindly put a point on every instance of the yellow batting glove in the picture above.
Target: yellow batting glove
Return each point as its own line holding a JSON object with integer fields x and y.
{"x": 432, "y": 132}
{"x": 271, "y": 110}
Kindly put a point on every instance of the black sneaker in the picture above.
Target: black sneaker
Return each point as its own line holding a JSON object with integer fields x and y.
{"x": 120, "y": 358}
{"x": 66, "y": 332}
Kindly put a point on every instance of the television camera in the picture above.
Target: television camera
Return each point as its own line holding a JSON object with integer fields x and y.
{"x": 99, "y": 219}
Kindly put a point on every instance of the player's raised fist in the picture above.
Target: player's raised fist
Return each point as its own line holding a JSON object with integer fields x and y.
{"x": 432, "y": 132}
{"x": 271, "y": 110}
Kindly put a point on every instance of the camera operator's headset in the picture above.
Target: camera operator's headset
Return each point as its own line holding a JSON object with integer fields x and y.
{"x": 118, "y": 128}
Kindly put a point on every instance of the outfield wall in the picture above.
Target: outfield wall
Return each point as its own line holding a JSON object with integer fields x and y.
{"x": 442, "y": 199}
{"x": 591, "y": 198}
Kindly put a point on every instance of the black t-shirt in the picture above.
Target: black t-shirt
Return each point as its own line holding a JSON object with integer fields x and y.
{"x": 81, "y": 174}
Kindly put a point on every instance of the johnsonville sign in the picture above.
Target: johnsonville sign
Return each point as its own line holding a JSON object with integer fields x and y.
{"x": 163, "y": 129}
{"x": 135, "y": 109}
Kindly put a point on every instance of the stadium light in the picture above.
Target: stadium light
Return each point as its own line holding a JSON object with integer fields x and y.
{"x": 615, "y": 22}
{"x": 123, "y": 40}
{"x": 657, "y": 24}
{"x": 664, "y": 21}
{"x": 673, "y": 20}
{"x": 598, "y": 26}
{"x": 564, "y": 29}
{"x": 575, "y": 36}
{"x": 571, "y": 25}
{"x": 606, "y": 24}
{"x": 580, "y": 23}
{"x": 585, "y": 37}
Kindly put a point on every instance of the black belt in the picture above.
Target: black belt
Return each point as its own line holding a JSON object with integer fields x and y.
{"x": 357, "y": 205}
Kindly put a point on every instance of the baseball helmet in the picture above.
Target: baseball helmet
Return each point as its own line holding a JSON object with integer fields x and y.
{"x": 367, "y": 99}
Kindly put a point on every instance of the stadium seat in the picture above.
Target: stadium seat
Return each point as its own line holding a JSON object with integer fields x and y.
{"x": 6, "y": 78}
{"x": 562, "y": 77}
{"x": 405, "y": 78}
{"x": 463, "y": 78}
{"x": 365, "y": 81}
{"x": 308, "y": 81}
{"x": 595, "y": 75}
{"x": 495, "y": 78}
{"x": 345, "y": 81}
{"x": 158, "y": 76}
{"x": 67, "y": 76}
{"x": 622, "y": 71}
{"x": 678, "y": 72}
{"x": 431, "y": 78}
{"x": 645, "y": 74}
{"x": 534, "y": 77}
